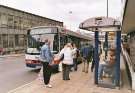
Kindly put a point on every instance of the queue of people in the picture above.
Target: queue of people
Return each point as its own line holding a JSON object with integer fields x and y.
{"x": 68, "y": 57}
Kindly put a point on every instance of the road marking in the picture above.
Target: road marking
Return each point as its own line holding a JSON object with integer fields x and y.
{"x": 12, "y": 91}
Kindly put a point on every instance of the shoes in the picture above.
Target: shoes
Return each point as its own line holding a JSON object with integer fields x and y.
{"x": 83, "y": 71}
{"x": 67, "y": 79}
{"x": 48, "y": 86}
{"x": 91, "y": 70}
{"x": 100, "y": 81}
{"x": 71, "y": 70}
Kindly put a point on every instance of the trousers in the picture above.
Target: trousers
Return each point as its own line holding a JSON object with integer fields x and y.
{"x": 47, "y": 70}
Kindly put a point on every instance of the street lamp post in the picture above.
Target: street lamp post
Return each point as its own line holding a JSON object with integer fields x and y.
{"x": 106, "y": 36}
{"x": 107, "y": 8}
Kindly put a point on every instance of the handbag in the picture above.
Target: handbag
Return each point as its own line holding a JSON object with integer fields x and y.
{"x": 57, "y": 60}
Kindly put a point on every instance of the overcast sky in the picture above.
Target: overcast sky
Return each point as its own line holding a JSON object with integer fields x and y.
{"x": 61, "y": 9}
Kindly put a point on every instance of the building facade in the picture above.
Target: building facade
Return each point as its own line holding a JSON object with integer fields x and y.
{"x": 13, "y": 28}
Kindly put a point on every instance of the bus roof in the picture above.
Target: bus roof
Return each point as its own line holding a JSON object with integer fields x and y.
{"x": 65, "y": 31}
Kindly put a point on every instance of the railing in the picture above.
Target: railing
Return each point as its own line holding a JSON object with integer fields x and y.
{"x": 127, "y": 58}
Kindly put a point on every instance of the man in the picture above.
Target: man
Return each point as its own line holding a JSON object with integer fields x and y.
{"x": 99, "y": 53}
{"x": 46, "y": 59}
{"x": 87, "y": 56}
{"x": 76, "y": 54}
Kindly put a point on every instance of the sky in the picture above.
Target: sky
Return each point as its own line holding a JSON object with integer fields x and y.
{"x": 71, "y": 12}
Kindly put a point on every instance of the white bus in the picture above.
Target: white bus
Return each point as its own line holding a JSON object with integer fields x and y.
{"x": 58, "y": 37}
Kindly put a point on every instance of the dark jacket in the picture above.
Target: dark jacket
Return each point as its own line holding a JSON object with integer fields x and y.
{"x": 85, "y": 51}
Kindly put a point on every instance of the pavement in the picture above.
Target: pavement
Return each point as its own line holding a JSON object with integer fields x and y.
{"x": 80, "y": 83}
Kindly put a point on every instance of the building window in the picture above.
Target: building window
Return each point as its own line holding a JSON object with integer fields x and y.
{"x": 10, "y": 21}
{"x": 20, "y": 23}
{"x": 11, "y": 41}
{"x": 16, "y": 22}
{"x": 25, "y": 23}
{"x": 5, "y": 40}
{"x": 0, "y": 40}
{"x": 21, "y": 40}
{"x": 0, "y": 19}
{"x": 3, "y": 20}
{"x": 16, "y": 40}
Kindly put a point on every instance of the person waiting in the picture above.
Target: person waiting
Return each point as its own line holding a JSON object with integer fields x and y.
{"x": 107, "y": 66}
{"x": 75, "y": 55}
{"x": 86, "y": 57}
{"x": 67, "y": 61}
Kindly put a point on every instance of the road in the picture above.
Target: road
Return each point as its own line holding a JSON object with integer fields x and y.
{"x": 14, "y": 73}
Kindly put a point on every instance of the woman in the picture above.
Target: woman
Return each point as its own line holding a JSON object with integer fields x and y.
{"x": 108, "y": 65}
{"x": 67, "y": 61}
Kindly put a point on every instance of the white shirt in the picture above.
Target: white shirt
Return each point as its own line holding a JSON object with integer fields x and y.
{"x": 68, "y": 55}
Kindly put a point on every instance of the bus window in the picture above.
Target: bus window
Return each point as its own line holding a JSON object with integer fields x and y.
{"x": 63, "y": 41}
{"x": 31, "y": 42}
{"x": 56, "y": 43}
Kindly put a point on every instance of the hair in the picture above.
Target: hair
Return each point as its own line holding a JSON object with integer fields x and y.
{"x": 86, "y": 43}
{"x": 68, "y": 45}
{"x": 99, "y": 42}
{"x": 46, "y": 41}
{"x": 72, "y": 44}
{"x": 112, "y": 50}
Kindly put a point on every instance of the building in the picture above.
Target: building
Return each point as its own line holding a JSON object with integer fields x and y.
{"x": 13, "y": 28}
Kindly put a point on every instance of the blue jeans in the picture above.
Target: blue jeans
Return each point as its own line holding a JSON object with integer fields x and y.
{"x": 106, "y": 68}
{"x": 100, "y": 70}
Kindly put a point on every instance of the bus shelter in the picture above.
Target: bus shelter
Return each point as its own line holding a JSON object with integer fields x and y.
{"x": 111, "y": 29}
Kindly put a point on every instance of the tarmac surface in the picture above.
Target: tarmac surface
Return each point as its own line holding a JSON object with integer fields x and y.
{"x": 14, "y": 73}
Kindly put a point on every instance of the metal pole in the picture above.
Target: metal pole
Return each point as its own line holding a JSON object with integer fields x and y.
{"x": 96, "y": 57}
{"x": 106, "y": 44}
{"x": 117, "y": 65}
{"x": 107, "y": 8}
{"x": 106, "y": 36}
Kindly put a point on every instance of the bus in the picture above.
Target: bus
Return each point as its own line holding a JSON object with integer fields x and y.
{"x": 58, "y": 37}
